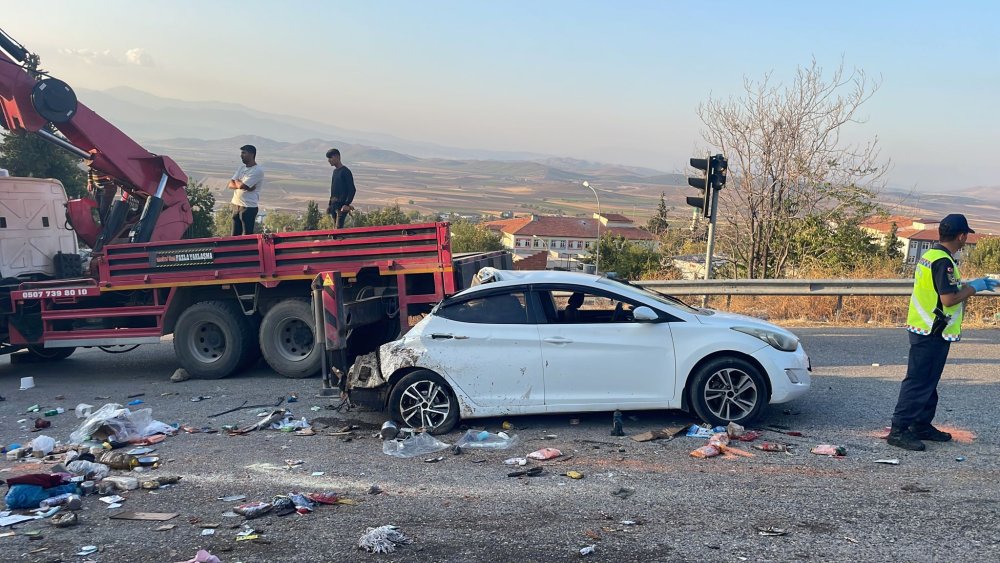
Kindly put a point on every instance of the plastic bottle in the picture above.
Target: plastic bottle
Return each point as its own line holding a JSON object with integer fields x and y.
{"x": 118, "y": 460}
{"x": 69, "y": 500}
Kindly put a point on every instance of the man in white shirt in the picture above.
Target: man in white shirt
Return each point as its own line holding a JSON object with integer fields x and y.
{"x": 246, "y": 184}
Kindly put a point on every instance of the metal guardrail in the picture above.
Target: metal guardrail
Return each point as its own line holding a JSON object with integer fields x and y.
{"x": 818, "y": 287}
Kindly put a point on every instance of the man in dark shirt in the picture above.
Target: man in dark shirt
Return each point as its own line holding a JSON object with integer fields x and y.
{"x": 341, "y": 189}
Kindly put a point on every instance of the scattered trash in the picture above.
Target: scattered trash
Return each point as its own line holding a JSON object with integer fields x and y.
{"x": 696, "y": 431}
{"x": 507, "y": 425}
{"x": 290, "y": 463}
{"x": 180, "y": 374}
{"x": 532, "y": 472}
{"x": 70, "y": 501}
{"x": 545, "y": 453}
{"x": 233, "y": 498}
{"x": 135, "y": 402}
{"x": 383, "y": 539}
{"x": 589, "y": 549}
{"x": 274, "y": 417}
{"x": 112, "y": 499}
{"x": 41, "y": 424}
{"x": 734, "y": 430}
{"x": 771, "y": 531}
{"x": 663, "y": 434}
{"x": 771, "y": 447}
{"x": 623, "y": 493}
{"x": 433, "y": 459}
{"x": 113, "y": 422}
{"x": 64, "y": 520}
{"x": 749, "y": 436}
{"x": 389, "y": 430}
{"x": 616, "y": 424}
{"x": 785, "y": 432}
{"x": 960, "y": 458}
{"x": 151, "y": 516}
{"x": 202, "y": 557}
{"x": 574, "y": 475}
{"x": 203, "y": 398}
{"x": 43, "y": 444}
{"x": 374, "y": 490}
{"x": 418, "y": 444}
{"x": 87, "y": 550}
{"x": 475, "y": 439}
{"x": 140, "y": 451}
{"x": 208, "y": 532}
{"x": 830, "y": 450}
{"x": 318, "y": 473}
{"x": 27, "y": 383}
{"x": 165, "y": 527}
{"x": 628, "y": 522}
{"x": 705, "y": 452}
{"x": 293, "y": 398}
{"x": 876, "y": 365}
{"x": 516, "y": 461}
{"x": 888, "y": 461}
{"x": 253, "y": 509}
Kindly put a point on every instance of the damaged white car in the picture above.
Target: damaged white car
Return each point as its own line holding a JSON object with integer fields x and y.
{"x": 560, "y": 342}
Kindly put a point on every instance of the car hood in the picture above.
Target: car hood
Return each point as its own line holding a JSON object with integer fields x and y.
{"x": 723, "y": 319}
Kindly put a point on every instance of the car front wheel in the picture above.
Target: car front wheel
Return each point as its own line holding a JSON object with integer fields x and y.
{"x": 728, "y": 390}
{"x": 423, "y": 399}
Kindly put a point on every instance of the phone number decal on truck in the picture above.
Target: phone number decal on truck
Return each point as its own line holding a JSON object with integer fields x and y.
{"x": 26, "y": 294}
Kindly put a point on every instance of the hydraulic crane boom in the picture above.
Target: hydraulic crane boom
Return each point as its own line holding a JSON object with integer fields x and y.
{"x": 136, "y": 193}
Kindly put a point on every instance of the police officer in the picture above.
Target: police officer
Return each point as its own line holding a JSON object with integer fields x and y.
{"x": 934, "y": 321}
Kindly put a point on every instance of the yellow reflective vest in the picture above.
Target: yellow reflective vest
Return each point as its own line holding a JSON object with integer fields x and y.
{"x": 925, "y": 299}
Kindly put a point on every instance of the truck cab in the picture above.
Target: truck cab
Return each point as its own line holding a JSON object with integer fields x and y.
{"x": 33, "y": 230}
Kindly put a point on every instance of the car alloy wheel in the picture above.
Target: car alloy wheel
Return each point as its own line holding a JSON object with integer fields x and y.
{"x": 423, "y": 399}
{"x": 731, "y": 394}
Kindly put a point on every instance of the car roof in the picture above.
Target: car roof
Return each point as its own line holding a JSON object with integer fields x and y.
{"x": 505, "y": 278}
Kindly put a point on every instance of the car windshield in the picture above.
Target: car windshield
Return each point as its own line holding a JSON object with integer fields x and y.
{"x": 662, "y": 298}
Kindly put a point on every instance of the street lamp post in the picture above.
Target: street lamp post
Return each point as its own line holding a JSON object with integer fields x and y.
{"x": 597, "y": 258}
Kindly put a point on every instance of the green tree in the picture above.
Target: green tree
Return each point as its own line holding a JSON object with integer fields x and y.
{"x": 282, "y": 222}
{"x": 311, "y": 221}
{"x": 658, "y": 224}
{"x": 202, "y": 206}
{"x": 891, "y": 248}
{"x": 31, "y": 156}
{"x": 834, "y": 247}
{"x": 223, "y": 221}
{"x": 985, "y": 257}
{"x": 391, "y": 215}
{"x": 789, "y": 158}
{"x": 629, "y": 260}
{"x": 470, "y": 237}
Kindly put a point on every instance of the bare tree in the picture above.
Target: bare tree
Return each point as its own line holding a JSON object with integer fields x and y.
{"x": 787, "y": 160}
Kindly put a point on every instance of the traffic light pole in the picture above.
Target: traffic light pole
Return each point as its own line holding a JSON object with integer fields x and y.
{"x": 711, "y": 235}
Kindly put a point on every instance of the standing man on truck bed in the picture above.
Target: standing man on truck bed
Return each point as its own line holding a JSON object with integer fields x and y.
{"x": 246, "y": 184}
{"x": 341, "y": 189}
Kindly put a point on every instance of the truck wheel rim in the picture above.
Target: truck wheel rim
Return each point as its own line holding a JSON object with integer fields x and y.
{"x": 293, "y": 339}
{"x": 207, "y": 343}
{"x": 424, "y": 404}
{"x": 730, "y": 394}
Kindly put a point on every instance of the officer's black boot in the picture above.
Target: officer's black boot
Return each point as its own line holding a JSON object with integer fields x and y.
{"x": 905, "y": 438}
{"x": 928, "y": 432}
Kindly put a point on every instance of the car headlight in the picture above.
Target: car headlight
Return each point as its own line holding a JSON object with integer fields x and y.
{"x": 778, "y": 340}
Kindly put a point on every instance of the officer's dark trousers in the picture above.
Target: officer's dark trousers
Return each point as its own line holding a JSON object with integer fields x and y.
{"x": 918, "y": 394}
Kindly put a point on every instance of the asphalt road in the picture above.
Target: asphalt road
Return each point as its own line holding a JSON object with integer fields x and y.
{"x": 831, "y": 509}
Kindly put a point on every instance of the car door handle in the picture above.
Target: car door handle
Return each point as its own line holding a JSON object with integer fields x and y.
{"x": 438, "y": 336}
{"x": 557, "y": 340}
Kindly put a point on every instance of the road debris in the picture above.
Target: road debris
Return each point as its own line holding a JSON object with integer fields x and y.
{"x": 482, "y": 439}
{"x": 617, "y": 428}
{"x": 87, "y": 550}
{"x": 545, "y": 453}
{"x": 623, "y": 493}
{"x": 663, "y": 434}
{"x": 532, "y": 472}
{"x": 516, "y": 461}
{"x": 573, "y": 475}
{"x": 382, "y": 539}
{"x": 588, "y": 550}
{"x": 771, "y": 532}
{"x": 829, "y": 450}
{"x": 772, "y": 447}
{"x": 152, "y": 516}
{"x": 202, "y": 557}
{"x": 888, "y": 461}
{"x": 416, "y": 444}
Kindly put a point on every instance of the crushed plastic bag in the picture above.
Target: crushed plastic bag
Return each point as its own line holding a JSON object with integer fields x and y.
{"x": 289, "y": 424}
{"x": 481, "y": 439}
{"x": 43, "y": 444}
{"x": 418, "y": 444}
{"x": 114, "y": 422}
{"x": 88, "y": 469}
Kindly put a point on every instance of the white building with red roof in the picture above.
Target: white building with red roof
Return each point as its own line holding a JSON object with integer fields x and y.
{"x": 566, "y": 239}
{"x": 915, "y": 235}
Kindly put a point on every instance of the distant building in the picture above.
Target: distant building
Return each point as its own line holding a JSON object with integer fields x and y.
{"x": 915, "y": 235}
{"x": 566, "y": 239}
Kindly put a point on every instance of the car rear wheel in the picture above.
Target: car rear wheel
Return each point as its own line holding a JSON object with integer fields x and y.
{"x": 423, "y": 399}
{"x": 50, "y": 354}
{"x": 728, "y": 390}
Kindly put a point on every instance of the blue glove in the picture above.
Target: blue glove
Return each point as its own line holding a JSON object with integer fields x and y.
{"x": 992, "y": 283}
{"x": 982, "y": 284}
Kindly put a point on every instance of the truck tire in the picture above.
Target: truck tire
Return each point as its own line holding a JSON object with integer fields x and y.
{"x": 287, "y": 339}
{"x": 50, "y": 354}
{"x": 212, "y": 339}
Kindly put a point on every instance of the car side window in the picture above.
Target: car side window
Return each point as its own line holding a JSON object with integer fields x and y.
{"x": 499, "y": 308}
{"x": 580, "y": 306}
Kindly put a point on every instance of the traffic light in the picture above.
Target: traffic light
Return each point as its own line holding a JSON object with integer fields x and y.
{"x": 703, "y": 184}
{"x": 714, "y": 179}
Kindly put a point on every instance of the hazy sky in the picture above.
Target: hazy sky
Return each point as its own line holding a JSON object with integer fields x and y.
{"x": 617, "y": 82}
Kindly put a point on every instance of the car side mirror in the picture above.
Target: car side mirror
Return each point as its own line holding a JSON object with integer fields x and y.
{"x": 644, "y": 314}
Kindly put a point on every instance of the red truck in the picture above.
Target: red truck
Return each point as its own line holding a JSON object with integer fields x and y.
{"x": 227, "y": 301}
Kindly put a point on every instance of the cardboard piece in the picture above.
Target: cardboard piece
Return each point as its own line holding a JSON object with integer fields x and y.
{"x": 666, "y": 433}
{"x": 155, "y": 516}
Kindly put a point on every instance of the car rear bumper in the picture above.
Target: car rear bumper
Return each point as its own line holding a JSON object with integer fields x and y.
{"x": 789, "y": 372}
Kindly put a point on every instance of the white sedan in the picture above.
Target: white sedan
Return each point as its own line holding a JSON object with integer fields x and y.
{"x": 559, "y": 342}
